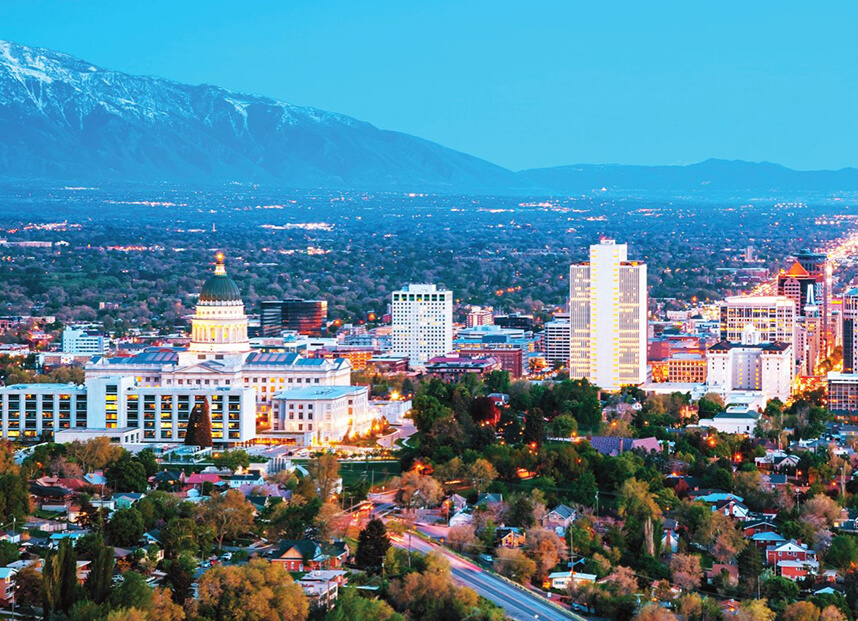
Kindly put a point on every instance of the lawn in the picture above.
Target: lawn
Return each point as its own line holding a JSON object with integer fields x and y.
{"x": 373, "y": 471}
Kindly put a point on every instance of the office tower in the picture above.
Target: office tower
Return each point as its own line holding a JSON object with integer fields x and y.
{"x": 608, "y": 310}
{"x": 302, "y": 316}
{"x": 850, "y": 333}
{"x": 422, "y": 322}
{"x": 514, "y": 320}
{"x": 772, "y": 316}
{"x": 479, "y": 316}
{"x": 816, "y": 264}
{"x": 556, "y": 339}
{"x": 796, "y": 284}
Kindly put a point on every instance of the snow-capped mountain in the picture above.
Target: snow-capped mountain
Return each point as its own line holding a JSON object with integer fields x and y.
{"x": 66, "y": 119}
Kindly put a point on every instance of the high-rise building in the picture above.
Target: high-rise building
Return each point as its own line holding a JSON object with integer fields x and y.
{"x": 556, "y": 339}
{"x": 302, "y": 316}
{"x": 773, "y": 316}
{"x": 608, "y": 310}
{"x": 849, "y": 322}
{"x": 796, "y": 284}
{"x": 422, "y": 322}
{"x": 816, "y": 264}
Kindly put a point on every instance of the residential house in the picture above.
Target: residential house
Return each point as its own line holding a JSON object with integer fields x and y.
{"x": 7, "y": 585}
{"x": 322, "y": 586}
{"x": 559, "y": 518}
{"x": 790, "y": 550}
{"x": 614, "y": 446}
{"x": 669, "y": 535}
{"x": 510, "y": 537}
{"x": 767, "y": 539}
{"x": 560, "y": 580}
{"x": 732, "y": 508}
{"x": 797, "y": 570}
{"x": 309, "y": 555}
{"x": 126, "y": 500}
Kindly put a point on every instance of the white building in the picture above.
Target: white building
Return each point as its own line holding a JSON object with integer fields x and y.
{"x": 773, "y": 317}
{"x": 608, "y": 311}
{"x": 556, "y": 339}
{"x": 322, "y": 415}
{"x": 220, "y": 355}
{"x": 752, "y": 365}
{"x": 118, "y": 408}
{"x": 78, "y": 342}
{"x": 155, "y": 390}
{"x": 422, "y": 322}
{"x": 848, "y": 331}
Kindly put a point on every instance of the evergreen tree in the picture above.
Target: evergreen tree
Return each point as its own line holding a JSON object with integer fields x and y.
{"x": 750, "y": 564}
{"x": 191, "y": 429}
{"x": 50, "y": 585}
{"x": 373, "y": 544}
{"x": 67, "y": 560}
{"x": 98, "y": 582}
{"x": 204, "y": 426}
{"x": 534, "y": 428}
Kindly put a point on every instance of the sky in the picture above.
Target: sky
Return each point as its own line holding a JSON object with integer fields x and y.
{"x": 522, "y": 84}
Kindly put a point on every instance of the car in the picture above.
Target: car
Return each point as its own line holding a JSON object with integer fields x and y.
{"x": 205, "y": 564}
{"x": 226, "y": 556}
{"x": 486, "y": 558}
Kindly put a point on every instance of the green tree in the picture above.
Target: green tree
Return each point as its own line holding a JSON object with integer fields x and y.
{"x": 100, "y": 577}
{"x": 180, "y": 576}
{"x": 750, "y": 563}
{"x": 132, "y": 592}
{"x": 351, "y": 606}
{"x": 8, "y": 553}
{"x": 325, "y": 472}
{"x": 14, "y": 499}
{"x": 843, "y": 552}
{"x": 127, "y": 475}
{"x": 232, "y": 460}
{"x": 229, "y": 514}
{"x": 373, "y": 544}
{"x": 147, "y": 458}
{"x": 125, "y": 528}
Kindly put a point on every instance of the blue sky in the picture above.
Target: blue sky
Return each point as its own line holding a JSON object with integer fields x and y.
{"x": 523, "y": 84}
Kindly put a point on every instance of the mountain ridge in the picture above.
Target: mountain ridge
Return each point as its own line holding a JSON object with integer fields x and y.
{"x": 62, "y": 118}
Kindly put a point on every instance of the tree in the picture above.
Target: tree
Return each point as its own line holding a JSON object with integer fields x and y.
{"x": 199, "y": 430}
{"x": 14, "y": 499}
{"x": 252, "y": 592}
{"x": 127, "y": 475}
{"x": 325, "y": 472}
{"x": 686, "y": 571}
{"x": 98, "y": 582}
{"x": 125, "y": 528}
{"x": 351, "y": 606}
{"x": 179, "y": 535}
{"x": 417, "y": 490}
{"x": 8, "y": 553}
{"x": 534, "y": 428}
{"x": 843, "y": 552}
{"x": 720, "y": 534}
{"x": 132, "y": 592}
{"x": 622, "y": 581}
{"x": 229, "y": 514}
{"x": 654, "y": 612}
{"x": 514, "y": 564}
{"x": 461, "y": 537}
{"x": 431, "y": 595}
{"x": 801, "y": 611}
{"x": 28, "y": 588}
{"x": 481, "y": 473}
{"x": 820, "y": 511}
{"x": 546, "y": 548}
{"x": 94, "y": 454}
{"x": 232, "y": 460}
{"x": 180, "y": 576}
{"x": 780, "y": 590}
{"x": 755, "y": 610}
{"x": 750, "y": 564}
{"x": 832, "y": 613}
{"x": 163, "y": 608}
{"x": 147, "y": 458}
{"x": 373, "y": 544}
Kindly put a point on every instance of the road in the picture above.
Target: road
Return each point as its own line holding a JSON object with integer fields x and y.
{"x": 518, "y": 603}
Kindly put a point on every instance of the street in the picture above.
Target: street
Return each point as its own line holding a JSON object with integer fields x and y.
{"x": 518, "y": 603}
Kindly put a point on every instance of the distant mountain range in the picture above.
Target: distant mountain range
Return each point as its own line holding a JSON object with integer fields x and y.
{"x": 63, "y": 119}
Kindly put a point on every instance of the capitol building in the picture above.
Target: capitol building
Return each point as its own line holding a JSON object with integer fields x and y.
{"x": 252, "y": 396}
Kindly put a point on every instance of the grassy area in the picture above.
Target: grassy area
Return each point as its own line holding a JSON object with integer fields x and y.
{"x": 377, "y": 472}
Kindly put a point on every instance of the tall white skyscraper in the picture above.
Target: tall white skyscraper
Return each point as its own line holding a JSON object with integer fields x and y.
{"x": 422, "y": 326}
{"x": 608, "y": 309}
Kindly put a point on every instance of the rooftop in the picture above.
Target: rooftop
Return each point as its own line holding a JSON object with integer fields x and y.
{"x": 319, "y": 393}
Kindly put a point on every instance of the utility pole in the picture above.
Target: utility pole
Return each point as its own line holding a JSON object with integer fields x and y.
{"x": 597, "y": 503}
